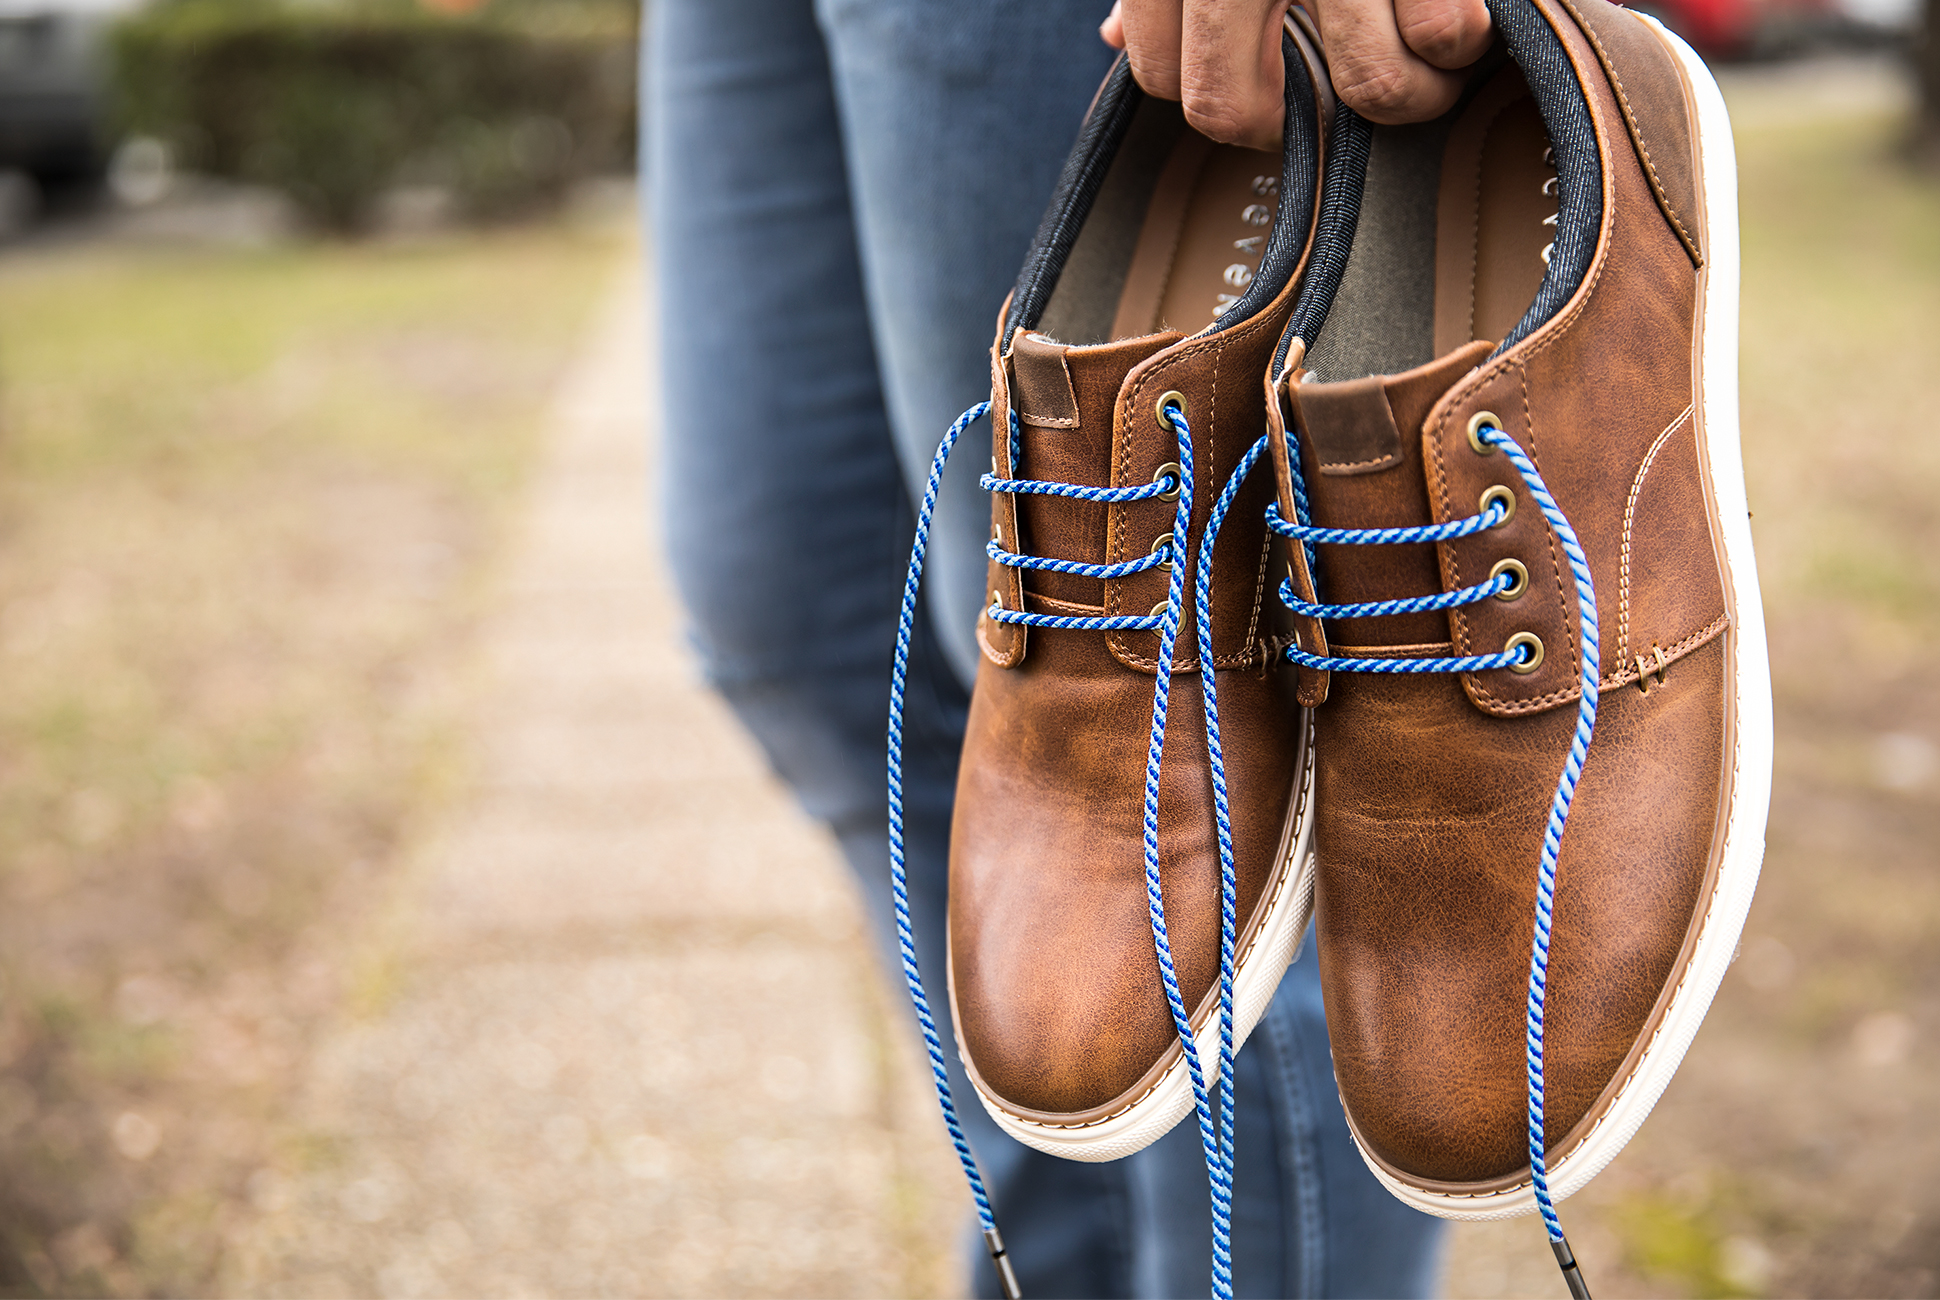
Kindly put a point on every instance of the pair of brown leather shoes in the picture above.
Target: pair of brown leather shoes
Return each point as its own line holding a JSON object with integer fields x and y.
{"x": 1369, "y": 540}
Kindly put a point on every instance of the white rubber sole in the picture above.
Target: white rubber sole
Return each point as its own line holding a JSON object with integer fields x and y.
{"x": 1751, "y": 759}
{"x": 1153, "y": 1115}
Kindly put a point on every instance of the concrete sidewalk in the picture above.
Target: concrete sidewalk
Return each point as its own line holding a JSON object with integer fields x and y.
{"x": 624, "y": 1035}
{"x": 619, "y": 1031}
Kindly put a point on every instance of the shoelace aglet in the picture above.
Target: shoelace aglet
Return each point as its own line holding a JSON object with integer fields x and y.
{"x": 1566, "y": 1260}
{"x": 993, "y": 1242}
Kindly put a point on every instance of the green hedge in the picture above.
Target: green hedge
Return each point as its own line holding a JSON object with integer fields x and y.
{"x": 335, "y": 103}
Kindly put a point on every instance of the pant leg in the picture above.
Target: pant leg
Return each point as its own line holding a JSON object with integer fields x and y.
{"x": 957, "y": 120}
{"x": 782, "y": 504}
{"x": 1308, "y": 1217}
{"x": 782, "y": 487}
{"x": 1354, "y": 1238}
{"x": 788, "y": 519}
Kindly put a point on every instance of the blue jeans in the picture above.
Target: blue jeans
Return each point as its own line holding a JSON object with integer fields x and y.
{"x": 840, "y": 194}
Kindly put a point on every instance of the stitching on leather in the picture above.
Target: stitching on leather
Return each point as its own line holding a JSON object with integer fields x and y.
{"x": 1629, "y": 520}
{"x": 1458, "y": 633}
{"x": 1419, "y": 650}
{"x": 1555, "y": 560}
{"x": 1676, "y": 650}
{"x": 1623, "y": 676}
{"x": 1189, "y": 663}
{"x": 1259, "y": 598}
{"x": 1212, "y": 465}
{"x": 1547, "y": 336}
{"x": 1637, "y": 134}
{"x": 1115, "y": 589}
{"x": 1481, "y": 689}
{"x": 1115, "y": 547}
{"x": 1188, "y": 350}
{"x": 1475, "y": 214}
{"x": 1389, "y": 459}
{"x": 1066, "y": 606}
{"x": 1297, "y": 572}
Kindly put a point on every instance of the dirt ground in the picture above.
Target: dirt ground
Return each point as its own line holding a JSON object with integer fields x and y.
{"x": 629, "y": 1039}
{"x": 248, "y": 500}
{"x": 361, "y": 865}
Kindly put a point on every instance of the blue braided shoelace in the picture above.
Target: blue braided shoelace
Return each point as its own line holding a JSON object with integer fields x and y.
{"x": 1172, "y": 481}
{"x": 1516, "y": 655}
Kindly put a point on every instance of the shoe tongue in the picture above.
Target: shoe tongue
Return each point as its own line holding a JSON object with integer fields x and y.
{"x": 1066, "y": 399}
{"x": 1059, "y": 386}
{"x": 1361, "y": 454}
{"x": 1367, "y": 426}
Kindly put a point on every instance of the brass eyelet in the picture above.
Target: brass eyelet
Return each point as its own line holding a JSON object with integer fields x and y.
{"x": 1535, "y": 644}
{"x": 996, "y": 600}
{"x": 1476, "y": 423}
{"x": 1506, "y": 497}
{"x": 1172, "y": 471}
{"x": 1516, "y": 588}
{"x": 1163, "y": 542}
{"x": 1172, "y": 397}
{"x": 1157, "y": 610}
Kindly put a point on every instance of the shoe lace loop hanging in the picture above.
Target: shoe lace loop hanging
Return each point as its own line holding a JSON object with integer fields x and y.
{"x": 1215, "y": 1117}
{"x": 1304, "y": 532}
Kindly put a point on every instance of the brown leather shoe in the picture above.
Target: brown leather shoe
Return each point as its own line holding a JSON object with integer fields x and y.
{"x": 1542, "y": 290}
{"x": 1154, "y": 297}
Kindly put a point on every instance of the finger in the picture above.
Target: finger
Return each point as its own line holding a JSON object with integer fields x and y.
{"x": 1232, "y": 77}
{"x": 1374, "y": 71}
{"x": 1151, "y": 32}
{"x": 1446, "y": 33}
{"x": 1112, "y": 30}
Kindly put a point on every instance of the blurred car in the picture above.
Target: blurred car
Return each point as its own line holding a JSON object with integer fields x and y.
{"x": 51, "y": 87}
{"x": 1741, "y": 29}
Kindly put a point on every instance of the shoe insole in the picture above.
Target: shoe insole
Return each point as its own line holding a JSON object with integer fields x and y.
{"x": 1202, "y": 239}
{"x": 1495, "y": 215}
{"x": 1455, "y": 222}
{"x": 1176, "y": 233}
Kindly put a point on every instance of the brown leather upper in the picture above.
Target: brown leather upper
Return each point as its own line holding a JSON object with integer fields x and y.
{"x": 1432, "y": 791}
{"x": 1054, "y": 981}
{"x": 1053, "y": 974}
{"x": 1658, "y": 123}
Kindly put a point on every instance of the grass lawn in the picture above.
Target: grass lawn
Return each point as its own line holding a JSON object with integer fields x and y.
{"x": 248, "y": 504}
{"x": 1794, "y": 1154}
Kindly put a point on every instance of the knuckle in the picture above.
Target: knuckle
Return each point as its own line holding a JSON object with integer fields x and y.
{"x": 1156, "y": 75}
{"x": 1432, "y": 32}
{"x": 1374, "y": 86}
{"x": 1439, "y": 31}
{"x": 1216, "y": 116}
